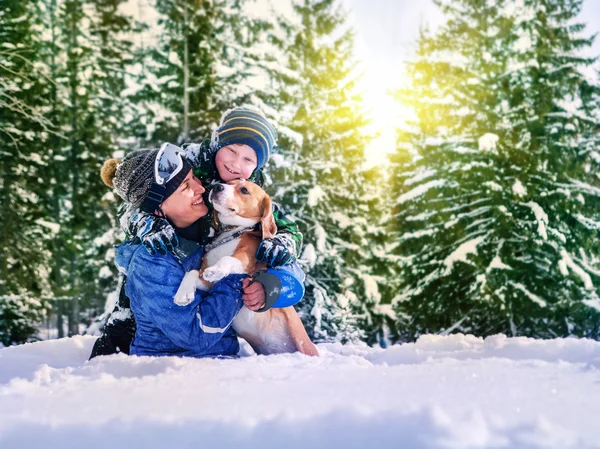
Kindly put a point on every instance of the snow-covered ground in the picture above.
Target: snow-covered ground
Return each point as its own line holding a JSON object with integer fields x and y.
{"x": 441, "y": 392}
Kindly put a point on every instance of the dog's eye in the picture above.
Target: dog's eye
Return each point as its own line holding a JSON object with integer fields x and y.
{"x": 244, "y": 191}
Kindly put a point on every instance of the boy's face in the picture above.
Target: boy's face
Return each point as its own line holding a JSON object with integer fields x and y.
{"x": 236, "y": 161}
{"x": 184, "y": 206}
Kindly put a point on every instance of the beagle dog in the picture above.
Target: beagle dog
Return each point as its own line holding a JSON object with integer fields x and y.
{"x": 240, "y": 206}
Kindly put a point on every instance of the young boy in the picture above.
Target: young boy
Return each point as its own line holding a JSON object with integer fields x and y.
{"x": 239, "y": 148}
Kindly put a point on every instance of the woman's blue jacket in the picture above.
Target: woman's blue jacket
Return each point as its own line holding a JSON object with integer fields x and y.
{"x": 200, "y": 329}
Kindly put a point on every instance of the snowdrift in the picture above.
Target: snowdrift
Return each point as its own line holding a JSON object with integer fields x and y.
{"x": 440, "y": 392}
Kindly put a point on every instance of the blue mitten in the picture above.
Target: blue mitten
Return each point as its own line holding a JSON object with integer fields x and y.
{"x": 157, "y": 234}
{"x": 277, "y": 251}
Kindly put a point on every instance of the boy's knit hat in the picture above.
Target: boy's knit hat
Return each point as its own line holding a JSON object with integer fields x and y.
{"x": 133, "y": 179}
{"x": 243, "y": 125}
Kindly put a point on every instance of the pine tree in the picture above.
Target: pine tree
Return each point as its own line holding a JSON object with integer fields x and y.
{"x": 320, "y": 180}
{"x": 86, "y": 53}
{"x": 23, "y": 130}
{"x": 496, "y": 194}
{"x": 375, "y": 313}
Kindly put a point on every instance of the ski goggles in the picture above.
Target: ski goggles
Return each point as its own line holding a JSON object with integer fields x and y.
{"x": 168, "y": 165}
{"x": 169, "y": 162}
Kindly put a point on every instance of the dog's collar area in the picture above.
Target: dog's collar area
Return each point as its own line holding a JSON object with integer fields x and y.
{"x": 216, "y": 242}
{"x": 228, "y": 228}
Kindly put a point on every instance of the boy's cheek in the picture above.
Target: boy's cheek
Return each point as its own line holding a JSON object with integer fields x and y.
{"x": 222, "y": 172}
{"x": 248, "y": 171}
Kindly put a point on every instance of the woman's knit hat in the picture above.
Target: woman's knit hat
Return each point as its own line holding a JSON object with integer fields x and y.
{"x": 243, "y": 125}
{"x": 133, "y": 178}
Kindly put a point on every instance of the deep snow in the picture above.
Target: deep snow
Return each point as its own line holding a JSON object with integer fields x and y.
{"x": 441, "y": 392}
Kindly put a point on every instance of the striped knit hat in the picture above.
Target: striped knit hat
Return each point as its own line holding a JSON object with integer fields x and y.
{"x": 246, "y": 126}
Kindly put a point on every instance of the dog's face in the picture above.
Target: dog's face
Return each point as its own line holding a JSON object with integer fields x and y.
{"x": 243, "y": 203}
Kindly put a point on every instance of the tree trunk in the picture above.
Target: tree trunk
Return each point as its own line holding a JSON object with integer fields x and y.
{"x": 58, "y": 286}
{"x": 186, "y": 77}
{"x": 73, "y": 81}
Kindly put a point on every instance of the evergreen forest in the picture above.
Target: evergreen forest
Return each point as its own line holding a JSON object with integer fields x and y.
{"x": 483, "y": 220}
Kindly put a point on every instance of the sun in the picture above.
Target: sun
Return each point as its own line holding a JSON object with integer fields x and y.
{"x": 385, "y": 113}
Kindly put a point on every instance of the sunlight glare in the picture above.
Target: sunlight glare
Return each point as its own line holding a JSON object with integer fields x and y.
{"x": 385, "y": 112}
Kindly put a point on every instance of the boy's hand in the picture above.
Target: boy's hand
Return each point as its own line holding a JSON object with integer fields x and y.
{"x": 277, "y": 251}
{"x": 156, "y": 234}
{"x": 254, "y": 294}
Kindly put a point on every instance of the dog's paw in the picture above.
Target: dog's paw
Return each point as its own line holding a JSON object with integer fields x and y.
{"x": 307, "y": 347}
{"x": 214, "y": 273}
{"x": 187, "y": 290}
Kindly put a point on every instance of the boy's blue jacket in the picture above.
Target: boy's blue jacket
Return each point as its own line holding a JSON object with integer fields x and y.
{"x": 200, "y": 329}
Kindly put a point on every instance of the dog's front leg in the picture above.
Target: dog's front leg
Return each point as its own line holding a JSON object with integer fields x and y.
{"x": 187, "y": 289}
{"x": 226, "y": 265}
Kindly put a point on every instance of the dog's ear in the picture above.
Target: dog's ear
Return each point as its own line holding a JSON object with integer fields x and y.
{"x": 267, "y": 222}
{"x": 215, "y": 220}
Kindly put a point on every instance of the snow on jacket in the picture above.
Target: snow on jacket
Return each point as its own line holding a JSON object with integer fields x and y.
{"x": 200, "y": 329}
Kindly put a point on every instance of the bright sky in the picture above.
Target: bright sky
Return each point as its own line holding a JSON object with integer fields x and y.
{"x": 386, "y": 34}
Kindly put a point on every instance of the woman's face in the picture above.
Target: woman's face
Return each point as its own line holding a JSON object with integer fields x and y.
{"x": 236, "y": 161}
{"x": 185, "y": 205}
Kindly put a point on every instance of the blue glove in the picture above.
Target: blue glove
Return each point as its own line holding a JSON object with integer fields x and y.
{"x": 277, "y": 251}
{"x": 157, "y": 234}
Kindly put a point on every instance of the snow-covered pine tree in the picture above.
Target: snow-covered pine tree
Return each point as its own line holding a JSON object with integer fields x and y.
{"x": 375, "y": 314}
{"x": 497, "y": 194}
{"x": 86, "y": 52}
{"x": 199, "y": 64}
{"x": 320, "y": 180}
{"x": 23, "y": 130}
{"x": 112, "y": 32}
{"x": 177, "y": 79}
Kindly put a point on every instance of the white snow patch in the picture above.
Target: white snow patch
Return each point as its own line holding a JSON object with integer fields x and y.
{"x": 539, "y": 301}
{"x": 541, "y": 218}
{"x": 420, "y": 190}
{"x": 417, "y": 234}
{"x": 488, "y": 142}
{"x": 53, "y": 227}
{"x": 456, "y": 391}
{"x": 315, "y": 195}
{"x": 309, "y": 255}
{"x": 523, "y": 43}
{"x": 493, "y": 185}
{"x": 461, "y": 253}
{"x": 497, "y": 264}
{"x": 294, "y": 136}
{"x": 105, "y": 273}
{"x": 519, "y": 189}
{"x": 120, "y": 315}
{"x": 588, "y": 222}
{"x": 371, "y": 289}
{"x": 567, "y": 262}
{"x": 321, "y": 238}
{"x": 280, "y": 161}
{"x": 342, "y": 220}
{"x": 571, "y": 106}
{"x": 463, "y": 150}
{"x": 420, "y": 177}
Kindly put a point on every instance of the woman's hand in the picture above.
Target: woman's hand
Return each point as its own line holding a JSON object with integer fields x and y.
{"x": 254, "y": 294}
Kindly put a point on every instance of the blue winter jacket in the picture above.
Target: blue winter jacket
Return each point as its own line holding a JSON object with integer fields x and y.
{"x": 200, "y": 329}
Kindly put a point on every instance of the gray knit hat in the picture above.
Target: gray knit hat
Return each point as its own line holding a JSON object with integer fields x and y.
{"x": 133, "y": 177}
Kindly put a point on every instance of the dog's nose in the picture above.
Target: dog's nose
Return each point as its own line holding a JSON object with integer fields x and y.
{"x": 218, "y": 187}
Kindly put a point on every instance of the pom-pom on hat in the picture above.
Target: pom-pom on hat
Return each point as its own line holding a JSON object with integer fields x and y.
{"x": 246, "y": 126}
{"x": 133, "y": 177}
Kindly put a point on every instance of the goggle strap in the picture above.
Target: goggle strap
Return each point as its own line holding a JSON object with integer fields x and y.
{"x": 155, "y": 196}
